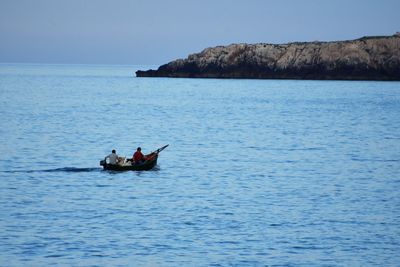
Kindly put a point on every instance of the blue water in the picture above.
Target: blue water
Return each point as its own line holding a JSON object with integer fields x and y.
{"x": 258, "y": 172}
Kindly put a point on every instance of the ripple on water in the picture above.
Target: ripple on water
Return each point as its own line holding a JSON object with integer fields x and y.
{"x": 276, "y": 178}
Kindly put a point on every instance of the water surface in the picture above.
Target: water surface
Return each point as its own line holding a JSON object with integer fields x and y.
{"x": 258, "y": 172}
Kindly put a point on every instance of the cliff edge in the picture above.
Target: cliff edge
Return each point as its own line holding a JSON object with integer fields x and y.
{"x": 367, "y": 58}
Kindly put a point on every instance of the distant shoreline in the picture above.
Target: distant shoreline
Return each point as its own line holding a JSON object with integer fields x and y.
{"x": 367, "y": 58}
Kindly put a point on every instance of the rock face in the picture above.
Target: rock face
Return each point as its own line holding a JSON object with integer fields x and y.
{"x": 367, "y": 58}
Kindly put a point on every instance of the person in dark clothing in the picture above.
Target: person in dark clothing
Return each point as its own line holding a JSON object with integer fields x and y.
{"x": 138, "y": 157}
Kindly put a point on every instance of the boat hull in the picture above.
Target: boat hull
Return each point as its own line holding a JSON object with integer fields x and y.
{"x": 147, "y": 165}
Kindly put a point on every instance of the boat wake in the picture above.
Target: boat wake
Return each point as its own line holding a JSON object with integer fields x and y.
{"x": 65, "y": 169}
{"x": 73, "y": 169}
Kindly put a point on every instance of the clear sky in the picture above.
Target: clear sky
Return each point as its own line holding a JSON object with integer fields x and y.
{"x": 158, "y": 31}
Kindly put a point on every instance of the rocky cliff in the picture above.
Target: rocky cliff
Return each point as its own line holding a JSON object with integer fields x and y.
{"x": 367, "y": 58}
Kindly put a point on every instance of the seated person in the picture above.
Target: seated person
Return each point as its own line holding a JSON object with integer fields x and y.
{"x": 113, "y": 158}
{"x": 138, "y": 157}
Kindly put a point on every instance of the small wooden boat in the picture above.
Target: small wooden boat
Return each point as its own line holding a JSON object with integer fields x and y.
{"x": 124, "y": 165}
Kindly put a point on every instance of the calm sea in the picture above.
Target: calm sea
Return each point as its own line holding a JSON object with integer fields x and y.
{"x": 258, "y": 172}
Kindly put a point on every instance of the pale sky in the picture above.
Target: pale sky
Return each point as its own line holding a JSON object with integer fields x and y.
{"x": 158, "y": 31}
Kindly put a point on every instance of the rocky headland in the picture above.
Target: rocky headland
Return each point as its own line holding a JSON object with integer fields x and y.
{"x": 367, "y": 58}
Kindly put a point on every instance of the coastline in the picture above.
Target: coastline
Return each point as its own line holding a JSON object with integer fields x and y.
{"x": 367, "y": 58}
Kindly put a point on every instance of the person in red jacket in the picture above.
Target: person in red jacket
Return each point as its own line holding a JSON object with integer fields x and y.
{"x": 138, "y": 157}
